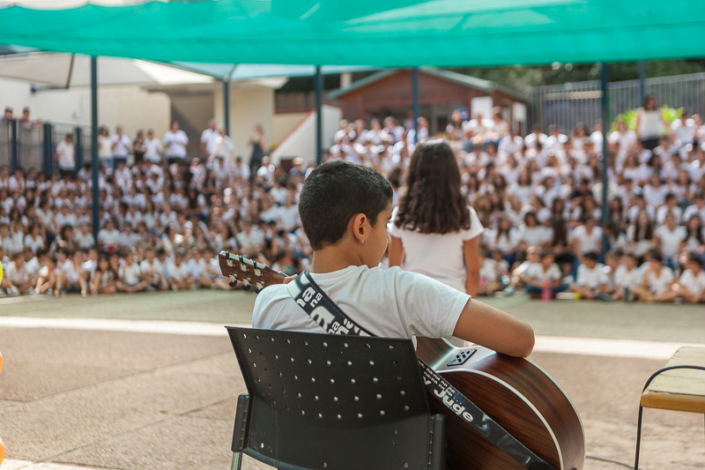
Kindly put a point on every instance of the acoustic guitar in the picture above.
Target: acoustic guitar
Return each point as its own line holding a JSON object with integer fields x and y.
{"x": 515, "y": 392}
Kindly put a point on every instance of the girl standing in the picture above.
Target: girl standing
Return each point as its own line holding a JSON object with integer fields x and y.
{"x": 433, "y": 228}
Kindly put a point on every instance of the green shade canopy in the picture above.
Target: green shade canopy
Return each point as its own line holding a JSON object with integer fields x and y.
{"x": 394, "y": 33}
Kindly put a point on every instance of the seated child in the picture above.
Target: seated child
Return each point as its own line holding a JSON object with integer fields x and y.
{"x": 47, "y": 277}
{"x": 591, "y": 280}
{"x": 544, "y": 272}
{"x": 130, "y": 278}
{"x": 691, "y": 285}
{"x": 490, "y": 275}
{"x": 178, "y": 273}
{"x": 626, "y": 278}
{"x": 656, "y": 283}
{"x": 519, "y": 273}
{"x": 349, "y": 243}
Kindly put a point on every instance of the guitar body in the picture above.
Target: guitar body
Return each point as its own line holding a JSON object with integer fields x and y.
{"x": 518, "y": 395}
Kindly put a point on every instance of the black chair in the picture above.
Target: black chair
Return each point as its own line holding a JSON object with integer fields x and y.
{"x": 333, "y": 402}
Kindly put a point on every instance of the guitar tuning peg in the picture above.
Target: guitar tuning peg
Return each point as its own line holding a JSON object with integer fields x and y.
{"x": 232, "y": 283}
{"x": 246, "y": 287}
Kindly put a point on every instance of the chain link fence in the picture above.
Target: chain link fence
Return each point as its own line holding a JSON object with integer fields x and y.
{"x": 568, "y": 104}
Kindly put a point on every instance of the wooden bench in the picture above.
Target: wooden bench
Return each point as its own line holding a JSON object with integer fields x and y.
{"x": 679, "y": 386}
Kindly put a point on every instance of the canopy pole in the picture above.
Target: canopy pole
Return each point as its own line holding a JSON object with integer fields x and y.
{"x": 94, "y": 145}
{"x": 642, "y": 82}
{"x": 318, "y": 85}
{"x": 226, "y": 104}
{"x": 605, "y": 102}
{"x": 415, "y": 99}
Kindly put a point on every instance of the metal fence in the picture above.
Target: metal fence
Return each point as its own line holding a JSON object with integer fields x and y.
{"x": 32, "y": 146}
{"x": 571, "y": 103}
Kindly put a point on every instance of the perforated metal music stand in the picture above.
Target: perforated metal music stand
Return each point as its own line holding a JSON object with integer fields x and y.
{"x": 333, "y": 402}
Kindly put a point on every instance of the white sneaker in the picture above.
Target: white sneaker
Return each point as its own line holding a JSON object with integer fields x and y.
{"x": 13, "y": 291}
{"x": 3, "y": 294}
{"x": 33, "y": 291}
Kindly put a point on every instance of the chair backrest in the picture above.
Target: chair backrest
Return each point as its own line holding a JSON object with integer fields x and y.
{"x": 321, "y": 401}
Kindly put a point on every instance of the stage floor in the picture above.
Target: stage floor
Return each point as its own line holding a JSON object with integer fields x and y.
{"x": 157, "y": 388}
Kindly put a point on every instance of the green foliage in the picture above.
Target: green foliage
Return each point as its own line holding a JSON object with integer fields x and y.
{"x": 629, "y": 117}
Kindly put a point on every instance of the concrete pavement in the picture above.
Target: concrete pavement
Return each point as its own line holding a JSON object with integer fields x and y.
{"x": 133, "y": 400}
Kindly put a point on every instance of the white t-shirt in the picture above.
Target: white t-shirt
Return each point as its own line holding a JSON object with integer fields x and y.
{"x": 210, "y": 137}
{"x": 178, "y": 141}
{"x": 153, "y": 150}
{"x": 437, "y": 256}
{"x": 123, "y": 144}
{"x": 695, "y": 284}
{"x": 670, "y": 241}
{"x": 130, "y": 274}
{"x": 627, "y": 279}
{"x": 387, "y": 302}
{"x": 70, "y": 271}
{"x": 177, "y": 272}
{"x": 587, "y": 242}
{"x": 537, "y": 274}
{"x": 592, "y": 278}
{"x": 662, "y": 283}
{"x": 534, "y": 236}
{"x": 65, "y": 151}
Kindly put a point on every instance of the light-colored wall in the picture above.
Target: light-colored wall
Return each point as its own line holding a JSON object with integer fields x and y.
{"x": 302, "y": 143}
{"x": 129, "y": 106}
{"x": 248, "y": 106}
{"x": 284, "y": 123}
{"x": 198, "y": 108}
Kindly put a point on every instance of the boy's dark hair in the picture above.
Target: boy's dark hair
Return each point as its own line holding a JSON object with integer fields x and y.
{"x": 334, "y": 193}
{"x": 630, "y": 254}
{"x": 545, "y": 253}
{"x": 656, "y": 255}
{"x": 696, "y": 258}
{"x": 590, "y": 255}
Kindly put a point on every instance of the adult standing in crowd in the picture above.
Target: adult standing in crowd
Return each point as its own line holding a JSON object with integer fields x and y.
{"x": 175, "y": 142}
{"x": 105, "y": 151}
{"x": 65, "y": 156}
{"x": 138, "y": 146}
{"x": 209, "y": 138}
{"x": 153, "y": 148}
{"x": 650, "y": 123}
{"x": 120, "y": 145}
{"x": 258, "y": 141}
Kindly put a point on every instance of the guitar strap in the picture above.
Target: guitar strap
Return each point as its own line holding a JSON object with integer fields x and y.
{"x": 316, "y": 303}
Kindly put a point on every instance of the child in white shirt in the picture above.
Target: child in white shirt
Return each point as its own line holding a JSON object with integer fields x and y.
{"x": 626, "y": 278}
{"x": 691, "y": 285}
{"x": 544, "y": 272}
{"x": 657, "y": 280}
{"x": 131, "y": 276}
{"x": 591, "y": 281}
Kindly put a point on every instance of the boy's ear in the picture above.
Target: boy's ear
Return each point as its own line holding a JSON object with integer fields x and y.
{"x": 357, "y": 226}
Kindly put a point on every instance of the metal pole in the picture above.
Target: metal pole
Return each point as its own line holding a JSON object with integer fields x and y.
{"x": 78, "y": 145}
{"x": 318, "y": 85}
{"x": 604, "y": 85}
{"x": 94, "y": 144}
{"x": 415, "y": 99}
{"x": 226, "y": 104}
{"x": 642, "y": 82}
{"x": 14, "y": 146}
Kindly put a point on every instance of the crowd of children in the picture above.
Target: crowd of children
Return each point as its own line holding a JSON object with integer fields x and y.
{"x": 539, "y": 198}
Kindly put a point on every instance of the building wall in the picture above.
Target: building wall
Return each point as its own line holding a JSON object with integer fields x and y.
{"x": 302, "y": 141}
{"x": 284, "y": 123}
{"x": 248, "y": 106}
{"x": 129, "y": 106}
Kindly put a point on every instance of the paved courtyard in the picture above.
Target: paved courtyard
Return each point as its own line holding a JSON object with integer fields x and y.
{"x": 150, "y": 381}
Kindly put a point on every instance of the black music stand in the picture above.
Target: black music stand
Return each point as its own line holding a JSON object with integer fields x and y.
{"x": 332, "y": 402}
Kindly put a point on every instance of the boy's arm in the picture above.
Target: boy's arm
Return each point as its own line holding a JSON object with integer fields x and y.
{"x": 488, "y": 326}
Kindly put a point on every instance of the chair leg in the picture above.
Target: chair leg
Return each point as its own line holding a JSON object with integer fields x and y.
{"x": 638, "y": 439}
{"x": 237, "y": 461}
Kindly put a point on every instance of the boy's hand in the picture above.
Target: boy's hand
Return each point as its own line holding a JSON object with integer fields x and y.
{"x": 290, "y": 278}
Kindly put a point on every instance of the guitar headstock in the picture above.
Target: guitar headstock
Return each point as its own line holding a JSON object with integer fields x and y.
{"x": 249, "y": 272}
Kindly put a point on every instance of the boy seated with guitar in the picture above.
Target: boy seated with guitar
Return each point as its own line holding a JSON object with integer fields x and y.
{"x": 344, "y": 210}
